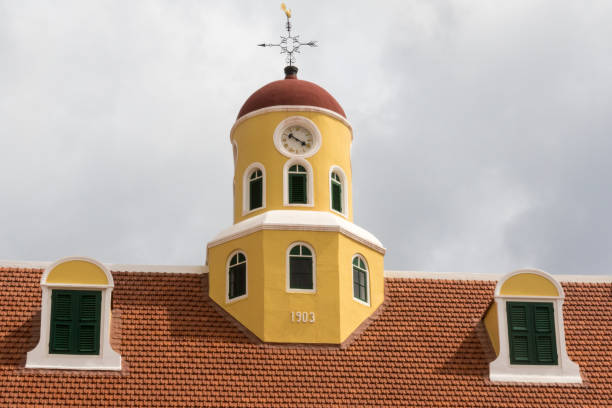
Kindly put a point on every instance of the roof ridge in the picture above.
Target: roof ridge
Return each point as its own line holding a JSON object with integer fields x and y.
{"x": 202, "y": 269}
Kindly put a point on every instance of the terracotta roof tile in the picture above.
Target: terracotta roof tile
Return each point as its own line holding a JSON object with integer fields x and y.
{"x": 426, "y": 349}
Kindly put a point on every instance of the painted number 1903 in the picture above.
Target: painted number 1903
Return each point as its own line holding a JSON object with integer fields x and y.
{"x": 303, "y": 317}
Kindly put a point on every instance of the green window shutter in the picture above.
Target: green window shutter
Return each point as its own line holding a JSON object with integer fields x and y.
{"x": 336, "y": 196}
{"x": 546, "y": 350}
{"x": 89, "y": 322}
{"x": 297, "y": 188}
{"x": 518, "y": 331}
{"x": 255, "y": 193}
{"x": 75, "y": 322}
{"x": 531, "y": 332}
{"x": 62, "y": 328}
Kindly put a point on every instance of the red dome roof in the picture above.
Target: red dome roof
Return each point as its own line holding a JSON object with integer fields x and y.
{"x": 290, "y": 91}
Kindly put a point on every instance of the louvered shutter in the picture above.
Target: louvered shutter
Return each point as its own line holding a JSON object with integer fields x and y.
{"x": 519, "y": 332}
{"x": 337, "y": 196}
{"x": 88, "y": 341}
{"x": 256, "y": 193}
{"x": 297, "y": 189}
{"x": 62, "y": 328}
{"x": 531, "y": 331}
{"x": 75, "y": 322}
{"x": 544, "y": 323}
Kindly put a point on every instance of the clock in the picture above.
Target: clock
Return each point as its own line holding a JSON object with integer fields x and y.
{"x": 297, "y": 136}
{"x": 297, "y": 140}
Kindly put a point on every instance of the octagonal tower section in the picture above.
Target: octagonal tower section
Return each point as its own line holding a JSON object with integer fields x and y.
{"x": 294, "y": 268}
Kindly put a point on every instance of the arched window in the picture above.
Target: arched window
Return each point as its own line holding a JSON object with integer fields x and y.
{"x": 336, "y": 192}
{"x": 298, "y": 185}
{"x": 301, "y": 268}
{"x": 255, "y": 189}
{"x": 360, "y": 279}
{"x": 237, "y": 276}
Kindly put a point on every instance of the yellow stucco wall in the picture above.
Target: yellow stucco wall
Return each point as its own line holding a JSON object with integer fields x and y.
{"x": 249, "y": 310}
{"x": 267, "y": 311}
{"x": 324, "y": 303}
{"x": 492, "y": 326}
{"x": 528, "y": 284}
{"x": 77, "y": 272}
{"x": 354, "y": 312}
{"x": 254, "y": 138}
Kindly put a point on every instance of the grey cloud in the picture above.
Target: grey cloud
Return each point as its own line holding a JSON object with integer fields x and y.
{"x": 482, "y": 131}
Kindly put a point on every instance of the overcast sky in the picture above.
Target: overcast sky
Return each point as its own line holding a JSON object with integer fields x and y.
{"x": 483, "y": 129}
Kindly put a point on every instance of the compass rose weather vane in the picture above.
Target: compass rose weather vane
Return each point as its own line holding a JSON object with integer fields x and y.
{"x": 289, "y": 44}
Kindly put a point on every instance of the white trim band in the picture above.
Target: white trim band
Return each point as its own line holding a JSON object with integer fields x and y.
{"x": 489, "y": 276}
{"x": 296, "y": 220}
{"x": 291, "y": 108}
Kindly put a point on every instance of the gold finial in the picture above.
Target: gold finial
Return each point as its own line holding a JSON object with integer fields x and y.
{"x": 286, "y": 10}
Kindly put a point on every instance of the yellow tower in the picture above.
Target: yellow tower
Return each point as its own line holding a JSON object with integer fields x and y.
{"x": 294, "y": 268}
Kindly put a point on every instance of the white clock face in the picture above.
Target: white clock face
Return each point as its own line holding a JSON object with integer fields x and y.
{"x": 297, "y": 140}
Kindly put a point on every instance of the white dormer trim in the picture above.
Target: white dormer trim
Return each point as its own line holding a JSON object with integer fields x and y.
{"x": 107, "y": 359}
{"x": 565, "y": 371}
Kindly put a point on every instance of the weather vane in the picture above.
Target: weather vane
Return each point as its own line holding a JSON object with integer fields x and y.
{"x": 289, "y": 44}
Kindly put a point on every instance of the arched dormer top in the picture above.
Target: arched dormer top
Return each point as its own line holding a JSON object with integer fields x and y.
{"x": 81, "y": 271}
{"x": 529, "y": 282}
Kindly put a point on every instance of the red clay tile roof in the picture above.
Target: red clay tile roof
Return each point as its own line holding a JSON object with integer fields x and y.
{"x": 290, "y": 91}
{"x": 424, "y": 350}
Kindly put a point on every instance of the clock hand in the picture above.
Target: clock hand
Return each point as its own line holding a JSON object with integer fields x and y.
{"x": 290, "y": 136}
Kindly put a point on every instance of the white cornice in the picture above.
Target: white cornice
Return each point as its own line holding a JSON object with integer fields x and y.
{"x": 292, "y": 108}
{"x": 296, "y": 220}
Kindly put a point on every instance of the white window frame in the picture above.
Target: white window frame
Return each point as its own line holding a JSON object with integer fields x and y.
{"x": 363, "y": 258}
{"x": 309, "y": 179}
{"x": 565, "y": 371}
{"x": 314, "y": 269}
{"x": 338, "y": 170}
{"x": 106, "y": 359}
{"x": 246, "y": 277}
{"x": 246, "y": 191}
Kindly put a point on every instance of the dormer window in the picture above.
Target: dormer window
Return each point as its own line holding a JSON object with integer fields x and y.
{"x": 525, "y": 325}
{"x": 75, "y": 318}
